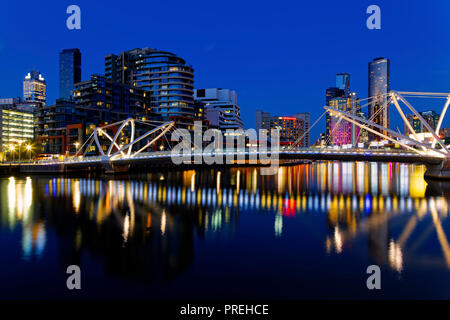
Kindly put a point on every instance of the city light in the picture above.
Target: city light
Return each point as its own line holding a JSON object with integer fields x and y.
{"x": 148, "y": 180}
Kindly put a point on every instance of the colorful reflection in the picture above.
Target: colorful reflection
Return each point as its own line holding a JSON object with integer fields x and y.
{"x": 18, "y": 199}
{"x": 382, "y": 203}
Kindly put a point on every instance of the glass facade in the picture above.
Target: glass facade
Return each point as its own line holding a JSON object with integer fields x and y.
{"x": 331, "y": 93}
{"x": 15, "y": 126}
{"x": 69, "y": 71}
{"x": 290, "y": 128}
{"x": 379, "y": 85}
{"x": 343, "y": 82}
{"x": 100, "y": 100}
{"x": 167, "y": 78}
{"x": 342, "y": 131}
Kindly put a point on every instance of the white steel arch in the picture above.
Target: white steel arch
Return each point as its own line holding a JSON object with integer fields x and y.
{"x": 412, "y": 141}
{"x": 124, "y": 151}
{"x": 114, "y": 144}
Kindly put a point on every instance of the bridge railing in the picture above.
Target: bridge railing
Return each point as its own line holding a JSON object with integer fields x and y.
{"x": 229, "y": 151}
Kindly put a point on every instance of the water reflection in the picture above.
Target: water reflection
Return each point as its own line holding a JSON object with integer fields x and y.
{"x": 19, "y": 202}
{"x": 146, "y": 227}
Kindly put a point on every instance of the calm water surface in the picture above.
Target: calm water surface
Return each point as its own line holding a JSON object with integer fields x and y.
{"x": 309, "y": 231}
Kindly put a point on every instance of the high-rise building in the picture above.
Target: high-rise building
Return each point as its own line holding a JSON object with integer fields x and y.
{"x": 331, "y": 93}
{"x": 166, "y": 77}
{"x": 341, "y": 130}
{"x": 290, "y": 128}
{"x": 69, "y": 71}
{"x": 225, "y": 101}
{"x": 51, "y": 125}
{"x": 99, "y": 100}
{"x": 306, "y": 117}
{"x": 96, "y": 101}
{"x": 379, "y": 87}
{"x": 16, "y": 127}
{"x": 34, "y": 88}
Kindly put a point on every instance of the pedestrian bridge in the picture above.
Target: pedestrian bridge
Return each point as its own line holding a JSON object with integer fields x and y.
{"x": 269, "y": 158}
{"x": 125, "y": 149}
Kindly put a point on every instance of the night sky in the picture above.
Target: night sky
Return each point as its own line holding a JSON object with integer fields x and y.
{"x": 280, "y": 56}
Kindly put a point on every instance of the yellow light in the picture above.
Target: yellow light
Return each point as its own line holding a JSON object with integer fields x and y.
{"x": 28, "y": 147}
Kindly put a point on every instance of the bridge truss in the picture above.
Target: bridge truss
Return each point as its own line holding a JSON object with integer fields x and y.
{"x": 411, "y": 142}
{"x": 126, "y": 128}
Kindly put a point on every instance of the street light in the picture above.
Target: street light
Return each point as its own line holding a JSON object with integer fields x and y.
{"x": 11, "y": 150}
{"x": 20, "y": 143}
{"x": 28, "y": 147}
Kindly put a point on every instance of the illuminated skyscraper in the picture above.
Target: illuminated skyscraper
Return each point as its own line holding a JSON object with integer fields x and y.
{"x": 290, "y": 128}
{"x": 379, "y": 86}
{"x": 166, "y": 77}
{"x": 343, "y": 132}
{"x": 34, "y": 88}
{"x": 69, "y": 71}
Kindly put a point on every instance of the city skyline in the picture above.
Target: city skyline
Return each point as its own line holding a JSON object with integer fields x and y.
{"x": 177, "y": 154}
{"x": 216, "y": 64}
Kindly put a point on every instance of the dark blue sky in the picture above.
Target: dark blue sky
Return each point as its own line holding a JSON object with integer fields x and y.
{"x": 280, "y": 56}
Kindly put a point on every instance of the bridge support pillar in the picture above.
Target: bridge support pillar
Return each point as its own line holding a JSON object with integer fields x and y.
{"x": 438, "y": 171}
{"x": 111, "y": 168}
{"x": 107, "y": 165}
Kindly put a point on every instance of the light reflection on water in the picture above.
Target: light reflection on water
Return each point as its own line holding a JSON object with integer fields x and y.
{"x": 162, "y": 214}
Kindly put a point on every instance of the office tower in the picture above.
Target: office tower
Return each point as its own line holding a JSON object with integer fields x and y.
{"x": 34, "y": 88}
{"x": 166, "y": 77}
{"x": 100, "y": 100}
{"x": 341, "y": 130}
{"x": 379, "y": 87}
{"x": 290, "y": 128}
{"x": 306, "y": 117}
{"x": 69, "y": 71}
{"x": 224, "y": 102}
